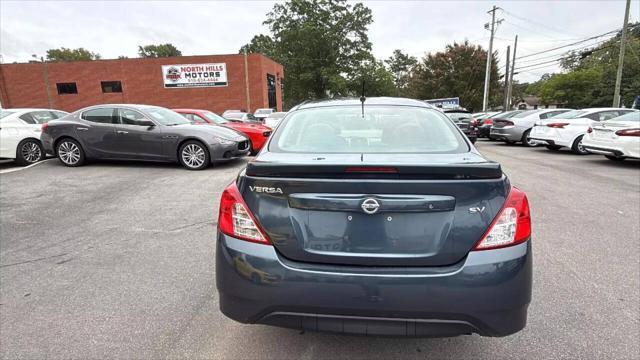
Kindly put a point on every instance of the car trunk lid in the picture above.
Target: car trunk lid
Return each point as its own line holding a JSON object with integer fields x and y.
{"x": 394, "y": 210}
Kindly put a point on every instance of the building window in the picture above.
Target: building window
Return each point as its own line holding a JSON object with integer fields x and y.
{"x": 67, "y": 88}
{"x": 111, "y": 86}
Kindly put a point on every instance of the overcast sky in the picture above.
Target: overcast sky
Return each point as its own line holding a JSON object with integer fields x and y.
{"x": 114, "y": 28}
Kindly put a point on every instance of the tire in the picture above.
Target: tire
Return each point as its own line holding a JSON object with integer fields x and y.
{"x": 29, "y": 151}
{"x": 527, "y": 141}
{"x": 553, "y": 147}
{"x": 193, "y": 155}
{"x": 615, "y": 158}
{"x": 70, "y": 152}
{"x": 577, "y": 147}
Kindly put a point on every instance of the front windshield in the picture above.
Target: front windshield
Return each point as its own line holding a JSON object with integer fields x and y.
{"x": 632, "y": 116}
{"x": 5, "y": 114}
{"x": 570, "y": 114}
{"x": 384, "y": 129}
{"x": 166, "y": 116}
{"x": 215, "y": 117}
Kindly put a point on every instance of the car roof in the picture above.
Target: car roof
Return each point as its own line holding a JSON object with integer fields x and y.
{"x": 190, "y": 110}
{"x": 29, "y": 109}
{"x": 356, "y": 102}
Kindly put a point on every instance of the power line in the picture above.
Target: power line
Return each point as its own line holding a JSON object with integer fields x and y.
{"x": 572, "y": 44}
{"x": 546, "y": 26}
{"x": 566, "y": 52}
{"x": 561, "y": 58}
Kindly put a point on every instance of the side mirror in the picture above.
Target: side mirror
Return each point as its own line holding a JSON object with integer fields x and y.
{"x": 146, "y": 123}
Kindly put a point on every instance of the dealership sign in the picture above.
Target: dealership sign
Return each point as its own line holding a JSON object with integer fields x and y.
{"x": 194, "y": 75}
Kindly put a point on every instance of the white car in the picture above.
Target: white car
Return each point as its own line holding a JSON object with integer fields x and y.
{"x": 261, "y": 114}
{"x": 239, "y": 116}
{"x": 616, "y": 139}
{"x": 568, "y": 129}
{"x": 20, "y": 133}
{"x": 273, "y": 119}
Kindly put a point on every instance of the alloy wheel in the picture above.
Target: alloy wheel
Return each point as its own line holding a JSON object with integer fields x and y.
{"x": 69, "y": 153}
{"x": 31, "y": 152}
{"x": 193, "y": 156}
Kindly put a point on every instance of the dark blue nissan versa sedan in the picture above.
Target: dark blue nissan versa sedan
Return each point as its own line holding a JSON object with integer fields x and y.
{"x": 374, "y": 216}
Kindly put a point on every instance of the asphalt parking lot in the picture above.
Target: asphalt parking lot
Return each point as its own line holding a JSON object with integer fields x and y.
{"x": 116, "y": 260}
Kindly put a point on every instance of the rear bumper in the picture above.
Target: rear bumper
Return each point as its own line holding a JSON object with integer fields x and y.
{"x": 512, "y": 133}
{"x": 486, "y": 293}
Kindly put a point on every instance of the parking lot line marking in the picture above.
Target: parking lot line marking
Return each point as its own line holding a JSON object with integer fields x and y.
{"x": 6, "y": 171}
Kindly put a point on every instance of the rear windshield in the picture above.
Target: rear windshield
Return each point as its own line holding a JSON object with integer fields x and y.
{"x": 632, "y": 116}
{"x": 383, "y": 129}
{"x": 525, "y": 113}
{"x": 5, "y": 113}
{"x": 570, "y": 114}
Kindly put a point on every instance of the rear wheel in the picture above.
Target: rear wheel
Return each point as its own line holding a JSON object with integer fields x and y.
{"x": 70, "y": 152}
{"x": 526, "y": 140}
{"x": 615, "y": 158}
{"x": 29, "y": 152}
{"x": 578, "y": 148}
{"x": 553, "y": 147}
{"x": 193, "y": 155}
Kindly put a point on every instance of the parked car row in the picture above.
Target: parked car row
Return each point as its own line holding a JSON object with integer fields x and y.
{"x": 613, "y": 132}
{"x": 135, "y": 132}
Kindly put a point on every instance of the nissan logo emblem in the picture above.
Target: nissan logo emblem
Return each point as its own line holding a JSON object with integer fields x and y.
{"x": 370, "y": 206}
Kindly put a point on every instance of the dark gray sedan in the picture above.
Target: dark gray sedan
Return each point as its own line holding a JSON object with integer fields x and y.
{"x": 351, "y": 221}
{"x": 139, "y": 132}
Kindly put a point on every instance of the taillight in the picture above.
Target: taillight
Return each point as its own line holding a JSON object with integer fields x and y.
{"x": 44, "y": 127}
{"x": 474, "y": 122}
{"x": 590, "y": 130}
{"x": 628, "y": 132}
{"x": 235, "y": 218}
{"x": 512, "y": 225}
{"x": 487, "y": 122}
{"x": 504, "y": 122}
{"x": 557, "y": 125}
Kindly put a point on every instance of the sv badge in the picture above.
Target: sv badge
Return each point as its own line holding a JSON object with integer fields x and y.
{"x": 476, "y": 210}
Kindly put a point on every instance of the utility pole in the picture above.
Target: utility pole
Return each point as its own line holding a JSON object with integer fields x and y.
{"x": 487, "y": 75}
{"x": 623, "y": 38}
{"x": 513, "y": 71}
{"x": 506, "y": 82}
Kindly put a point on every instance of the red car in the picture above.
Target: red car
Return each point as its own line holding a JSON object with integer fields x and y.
{"x": 256, "y": 132}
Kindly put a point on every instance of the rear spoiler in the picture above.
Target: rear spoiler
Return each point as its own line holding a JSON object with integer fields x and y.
{"x": 486, "y": 170}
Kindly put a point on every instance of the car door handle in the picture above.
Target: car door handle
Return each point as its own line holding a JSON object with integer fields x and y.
{"x": 82, "y": 128}
{"x": 122, "y": 132}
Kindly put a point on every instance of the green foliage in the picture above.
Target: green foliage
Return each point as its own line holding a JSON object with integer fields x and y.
{"x": 400, "y": 66}
{"x": 378, "y": 81}
{"x": 64, "y": 54}
{"x": 261, "y": 44}
{"x": 458, "y": 71}
{"x": 324, "y": 48}
{"x": 590, "y": 77}
{"x": 158, "y": 51}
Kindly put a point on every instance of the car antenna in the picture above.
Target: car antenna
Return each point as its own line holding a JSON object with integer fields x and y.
{"x": 362, "y": 98}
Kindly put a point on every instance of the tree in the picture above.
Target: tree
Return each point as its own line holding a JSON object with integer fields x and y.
{"x": 589, "y": 77}
{"x": 64, "y": 54}
{"x": 400, "y": 65}
{"x": 260, "y": 44}
{"x": 457, "y": 72}
{"x": 378, "y": 81}
{"x": 322, "y": 44}
{"x": 157, "y": 51}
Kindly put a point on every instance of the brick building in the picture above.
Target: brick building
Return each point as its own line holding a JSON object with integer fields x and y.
{"x": 211, "y": 82}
